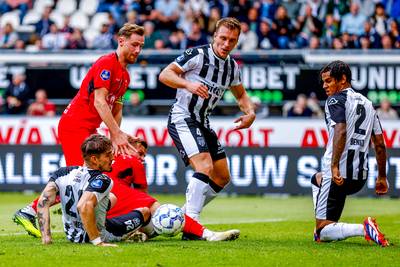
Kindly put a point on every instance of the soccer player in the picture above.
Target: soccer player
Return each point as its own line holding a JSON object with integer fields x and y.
{"x": 98, "y": 100}
{"x": 201, "y": 75}
{"x": 85, "y": 198}
{"x": 129, "y": 171}
{"x": 352, "y": 123}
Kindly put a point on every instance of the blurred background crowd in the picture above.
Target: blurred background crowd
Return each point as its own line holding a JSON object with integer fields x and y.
{"x": 179, "y": 24}
{"x": 55, "y": 25}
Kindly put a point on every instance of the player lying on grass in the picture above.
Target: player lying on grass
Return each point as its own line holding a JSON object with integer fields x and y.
{"x": 127, "y": 172}
{"x": 352, "y": 123}
{"x": 85, "y": 197}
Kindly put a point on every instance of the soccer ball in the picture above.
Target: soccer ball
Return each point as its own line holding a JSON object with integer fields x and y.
{"x": 168, "y": 220}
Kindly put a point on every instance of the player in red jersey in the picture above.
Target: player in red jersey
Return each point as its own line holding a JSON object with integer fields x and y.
{"x": 99, "y": 100}
{"x": 130, "y": 171}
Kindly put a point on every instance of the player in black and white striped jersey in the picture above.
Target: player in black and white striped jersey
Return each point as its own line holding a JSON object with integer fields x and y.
{"x": 85, "y": 198}
{"x": 352, "y": 124}
{"x": 201, "y": 75}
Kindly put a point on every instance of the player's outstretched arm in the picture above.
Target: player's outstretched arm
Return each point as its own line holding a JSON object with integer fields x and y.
{"x": 171, "y": 76}
{"x": 382, "y": 185}
{"x": 339, "y": 142}
{"x": 46, "y": 199}
{"x": 245, "y": 105}
{"x": 86, "y": 208}
{"x": 118, "y": 137}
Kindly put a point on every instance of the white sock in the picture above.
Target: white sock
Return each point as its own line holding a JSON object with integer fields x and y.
{"x": 195, "y": 197}
{"x": 340, "y": 231}
{"x": 148, "y": 229}
{"x": 29, "y": 210}
{"x": 210, "y": 195}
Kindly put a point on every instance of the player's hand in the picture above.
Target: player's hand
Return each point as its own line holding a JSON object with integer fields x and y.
{"x": 245, "y": 121}
{"x": 121, "y": 144}
{"x": 198, "y": 89}
{"x": 381, "y": 186}
{"x": 104, "y": 244}
{"x": 336, "y": 177}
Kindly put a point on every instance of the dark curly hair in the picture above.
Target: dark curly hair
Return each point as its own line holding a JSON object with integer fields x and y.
{"x": 337, "y": 69}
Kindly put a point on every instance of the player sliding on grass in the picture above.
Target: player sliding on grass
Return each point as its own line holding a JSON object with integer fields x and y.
{"x": 85, "y": 198}
{"x": 352, "y": 123}
{"x": 130, "y": 171}
{"x": 201, "y": 75}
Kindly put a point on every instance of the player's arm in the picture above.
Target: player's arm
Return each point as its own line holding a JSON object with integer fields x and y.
{"x": 86, "y": 208}
{"x": 381, "y": 186}
{"x": 339, "y": 142}
{"x": 118, "y": 137}
{"x": 46, "y": 199}
{"x": 245, "y": 105}
{"x": 117, "y": 111}
{"x": 172, "y": 77}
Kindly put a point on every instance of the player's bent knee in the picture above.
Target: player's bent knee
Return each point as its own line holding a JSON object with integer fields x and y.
{"x": 146, "y": 213}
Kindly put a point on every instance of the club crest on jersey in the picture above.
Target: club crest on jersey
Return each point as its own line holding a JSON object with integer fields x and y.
{"x": 189, "y": 51}
{"x": 332, "y": 101}
{"x": 105, "y": 75}
{"x": 96, "y": 183}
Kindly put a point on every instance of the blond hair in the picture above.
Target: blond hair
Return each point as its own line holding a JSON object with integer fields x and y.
{"x": 229, "y": 22}
{"x": 129, "y": 28}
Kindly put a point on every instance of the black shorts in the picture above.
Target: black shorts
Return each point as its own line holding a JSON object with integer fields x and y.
{"x": 331, "y": 197}
{"x": 191, "y": 138}
{"x": 124, "y": 224}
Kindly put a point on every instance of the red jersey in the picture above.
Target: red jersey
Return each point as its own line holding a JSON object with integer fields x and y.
{"x": 105, "y": 72}
{"x": 48, "y": 106}
{"x": 129, "y": 171}
{"x": 126, "y": 172}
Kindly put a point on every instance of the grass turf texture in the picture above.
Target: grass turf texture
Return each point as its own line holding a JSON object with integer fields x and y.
{"x": 275, "y": 231}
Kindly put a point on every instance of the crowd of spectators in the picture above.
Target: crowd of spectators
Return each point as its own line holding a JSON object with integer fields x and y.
{"x": 180, "y": 24}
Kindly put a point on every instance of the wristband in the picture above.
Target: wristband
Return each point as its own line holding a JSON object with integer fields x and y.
{"x": 96, "y": 241}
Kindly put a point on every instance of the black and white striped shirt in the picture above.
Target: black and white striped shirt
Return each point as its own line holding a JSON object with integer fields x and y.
{"x": 201, "y": 64}
{"x": 71, "y": 183}
{"x": 361, "y": 121}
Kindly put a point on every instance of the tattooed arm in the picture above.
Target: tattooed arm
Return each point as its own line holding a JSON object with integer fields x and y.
{"x": 46, "y": 199}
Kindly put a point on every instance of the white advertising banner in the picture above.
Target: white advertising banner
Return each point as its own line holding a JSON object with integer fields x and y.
{"x": 264, "y": 133}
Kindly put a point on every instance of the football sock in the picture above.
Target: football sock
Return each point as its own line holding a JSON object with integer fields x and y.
{"x": 148, "y": 229}
{"x": 29, "y": 210}
{"x": 193, "y": 227}
{"x": 340, "y": 231}
{"x": 195, "y": 195}
{"x": 212, "y": 191}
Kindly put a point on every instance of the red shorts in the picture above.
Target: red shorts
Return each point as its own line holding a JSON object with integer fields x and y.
{"x": 128, "y": 199}
{"x": 71, "y": 140}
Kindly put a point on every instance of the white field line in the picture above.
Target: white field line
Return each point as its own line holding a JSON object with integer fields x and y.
{"x": 244, "y": 221}
{"x": 210, "y": 222}
{"x": 25, "y": 233}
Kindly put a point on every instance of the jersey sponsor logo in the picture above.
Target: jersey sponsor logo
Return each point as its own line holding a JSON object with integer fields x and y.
{"x": 96, "y": 183}
{"x": 105, "y": 75}
{"x": 332, "y": 101}
{"x": 180, "y": 58}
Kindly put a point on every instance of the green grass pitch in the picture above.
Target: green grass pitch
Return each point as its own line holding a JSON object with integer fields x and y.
{"x": 275, "y": 231}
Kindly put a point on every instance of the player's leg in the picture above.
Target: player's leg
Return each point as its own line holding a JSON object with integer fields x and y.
{"x": 191, "y": 143}
{"x": 329, "y": 204}
{"x": 127, "y": 223}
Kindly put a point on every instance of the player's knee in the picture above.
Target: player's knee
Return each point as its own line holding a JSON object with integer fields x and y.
{"x": 146, "y": 213}
{"x": 154, "y": 207}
